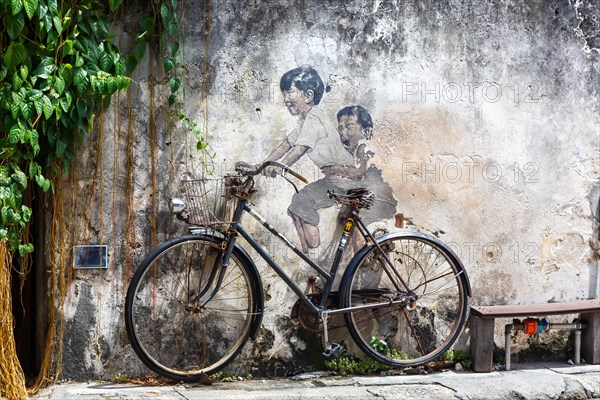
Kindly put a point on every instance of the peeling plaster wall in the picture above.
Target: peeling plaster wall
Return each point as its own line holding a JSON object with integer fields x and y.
{"x": 486, "y": 127}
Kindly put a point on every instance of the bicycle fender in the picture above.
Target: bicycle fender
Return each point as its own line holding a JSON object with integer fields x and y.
{"x": 244, "y": 257}
{"x": 443, "y": 246}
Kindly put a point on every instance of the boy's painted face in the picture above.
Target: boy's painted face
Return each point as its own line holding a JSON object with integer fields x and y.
{"x": 297, "y": 102}
{"x": 350, "y": 131}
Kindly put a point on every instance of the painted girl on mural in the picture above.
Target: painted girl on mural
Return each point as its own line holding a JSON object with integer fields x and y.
{"x": 315, "y": 136}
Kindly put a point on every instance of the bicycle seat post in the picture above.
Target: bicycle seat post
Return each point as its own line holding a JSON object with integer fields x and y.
{"x": 324, "y": 318}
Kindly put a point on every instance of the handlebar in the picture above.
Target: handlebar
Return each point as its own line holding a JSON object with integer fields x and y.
{"x": 252, "y": 170}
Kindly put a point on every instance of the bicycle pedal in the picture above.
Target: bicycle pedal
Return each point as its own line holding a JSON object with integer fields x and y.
{"x": 334, "y": 350}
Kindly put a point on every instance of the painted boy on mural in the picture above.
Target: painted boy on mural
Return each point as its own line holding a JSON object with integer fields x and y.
{"x": 355, "y": 128}
{"x": 341, "y": 158}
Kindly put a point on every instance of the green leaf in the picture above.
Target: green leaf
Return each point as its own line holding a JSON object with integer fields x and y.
{"x": 34, "y": 94}
{"x": 105, "y": 62}
{"x": 26, "y": 212}
{"x": 47, "y": 107}
{"x": 34, "y": 141}
{"x": 80, "y": 79}
{"x": 34, "y": 169}
{"x": 24, "y": 71}
{"x": 20, "y": 178}
{"x": 173, "y": 29}
{"x": 42, "y": 182}
{"x": 61, "y": 146}
{"x": 82, "y": 107}
{"x": 47, "y": 20}
{"x": 27, "y": 110}
{"x": 30, "y": 7}
{"x": 112, "y": 87}
{"x": 119, "y": 68}
{"x": 25, "y": 249}
{"x": 114, "y": 4}
{"x": 6, "y": 152}
{"x": 15, "y": 25}
{"x": 100, "y": 85}
{"x": 38, "y": 103}
{"x": 17, "y": 5}
{"x": 147, "y": 24}
{"x": 122, "y": 82}
{"x": 165, "y": 13}
{"x": 52, "y": 7}
{"x": 17, "y": 81}
{"x": 130, "y": 63}
{"x": 6, "y": 211}
{"x": 15, "y": 110}
{"x": 168, "y": 65}
{"x": 57, "y": 24}
{"x": 172, "y": 99}
{"x": 45, "y": 67}
{"x": 14, "y": 134}
{"x": 66, "y": 72}
{"x": 67, "y": 47}
{"x": 57, "y": 111}
{"x": 64, "y": 104}
{"x": 59, "y": 85}
{"x": 174, "y": 48}
{"x": 139, "y": 51}
{"x": 174, "y": 84}
{"x": 14, "y": 55}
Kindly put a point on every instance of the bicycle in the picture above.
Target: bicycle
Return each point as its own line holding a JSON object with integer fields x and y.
{"x": 195, "y": 300}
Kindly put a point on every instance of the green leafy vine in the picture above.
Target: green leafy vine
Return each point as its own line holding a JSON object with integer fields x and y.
{"x": 57, "y": 65}
{"x": 164, "y": 23}
{"x": 173, "y": 66}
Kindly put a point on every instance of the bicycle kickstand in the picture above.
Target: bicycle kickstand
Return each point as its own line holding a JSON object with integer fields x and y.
{"x": 331, "y": 350}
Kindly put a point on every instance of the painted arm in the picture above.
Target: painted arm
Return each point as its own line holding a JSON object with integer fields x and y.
{"x": 279, "y": 152}
{"x": 285, "y": 154}
{"x": 350, "y": 172}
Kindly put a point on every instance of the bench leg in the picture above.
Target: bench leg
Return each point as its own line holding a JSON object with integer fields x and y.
{"x": 590, "y": 337}
{"x": 482, "y": 343}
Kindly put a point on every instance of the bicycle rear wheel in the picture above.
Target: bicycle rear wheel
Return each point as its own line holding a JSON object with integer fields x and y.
{"x": 185, "y": 313}
{"x": 401, "y": 334}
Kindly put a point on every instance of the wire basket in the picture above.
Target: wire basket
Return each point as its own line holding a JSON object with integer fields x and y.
{"x": 211, "y": 201}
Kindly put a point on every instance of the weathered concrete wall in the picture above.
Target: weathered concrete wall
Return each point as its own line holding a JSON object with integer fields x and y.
{"x": 486, "y": 127}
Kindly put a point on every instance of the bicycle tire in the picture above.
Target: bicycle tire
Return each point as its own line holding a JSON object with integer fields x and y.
{"x": 170, "y": 329}
{"x": 398, "y": 335}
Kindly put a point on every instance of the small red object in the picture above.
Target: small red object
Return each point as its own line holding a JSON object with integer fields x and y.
{"x": 531, "y": 326}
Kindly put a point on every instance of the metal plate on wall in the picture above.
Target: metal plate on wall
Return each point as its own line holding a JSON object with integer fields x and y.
{"x": 90, "y": 256}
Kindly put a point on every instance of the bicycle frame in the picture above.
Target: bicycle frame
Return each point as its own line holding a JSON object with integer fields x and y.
{"x": 352, "y": 220}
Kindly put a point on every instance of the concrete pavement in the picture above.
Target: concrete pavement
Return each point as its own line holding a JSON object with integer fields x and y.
{"x": 525, "y": 381}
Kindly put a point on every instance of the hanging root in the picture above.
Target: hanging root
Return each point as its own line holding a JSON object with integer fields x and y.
{"x": 12, "y": 378}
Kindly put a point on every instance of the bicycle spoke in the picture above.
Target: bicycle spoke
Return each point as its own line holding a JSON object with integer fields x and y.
{"x": 410, "y": 333}
{"x": 174, "y": 325}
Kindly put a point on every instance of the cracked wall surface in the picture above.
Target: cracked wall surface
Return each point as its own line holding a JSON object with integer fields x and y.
{"x": 486, "y": 127}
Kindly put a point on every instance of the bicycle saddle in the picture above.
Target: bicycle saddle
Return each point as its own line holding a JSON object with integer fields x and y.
{"x": 359, "y": 197}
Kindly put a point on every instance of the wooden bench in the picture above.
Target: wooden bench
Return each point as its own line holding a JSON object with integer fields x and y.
{"x": 482, "y": 321}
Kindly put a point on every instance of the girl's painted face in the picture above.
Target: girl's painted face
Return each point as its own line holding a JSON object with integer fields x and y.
{"x": 297, "y": 102}
{"x": 350, "y": 131}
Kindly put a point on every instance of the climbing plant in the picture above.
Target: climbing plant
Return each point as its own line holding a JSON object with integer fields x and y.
{"x": 57, "y": 65}
{"x": 173, "y": 67}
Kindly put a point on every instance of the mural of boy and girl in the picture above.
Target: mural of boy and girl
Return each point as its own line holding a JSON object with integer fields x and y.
{"x": 342, "y": 156}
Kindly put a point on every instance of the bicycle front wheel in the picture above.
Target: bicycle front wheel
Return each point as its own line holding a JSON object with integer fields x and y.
{"x": 185, "y": 313}
{"x": 397, "y": 331}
